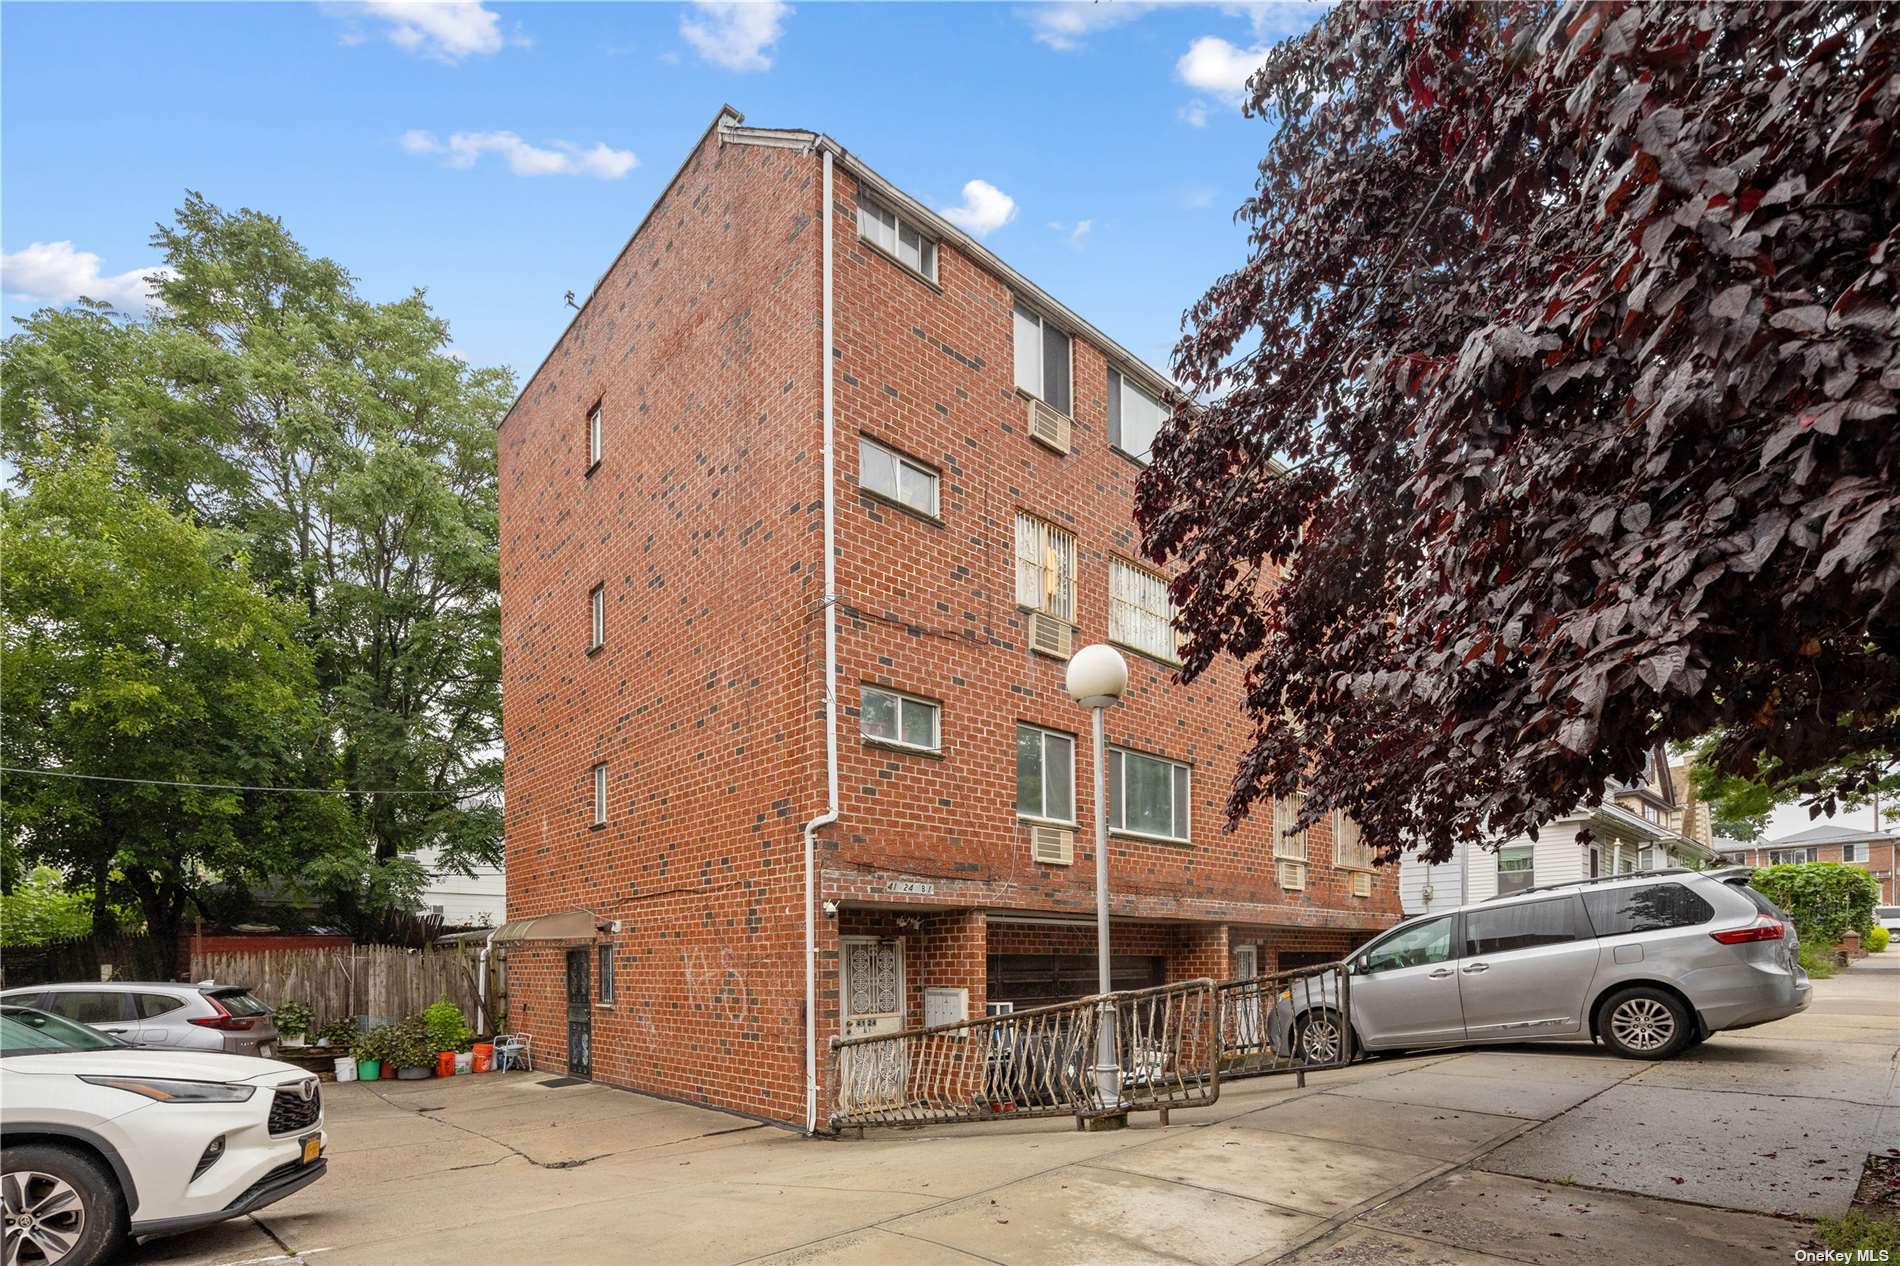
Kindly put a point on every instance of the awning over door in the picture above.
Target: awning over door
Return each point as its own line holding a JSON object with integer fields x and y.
{"x": 563, "y": 925}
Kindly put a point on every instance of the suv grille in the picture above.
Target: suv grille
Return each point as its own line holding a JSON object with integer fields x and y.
{"x": 290, "y": 1111}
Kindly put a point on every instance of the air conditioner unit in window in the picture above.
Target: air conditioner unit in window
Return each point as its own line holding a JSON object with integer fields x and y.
{"x": 1361, "y": 884}
{"x": 1049, "y": 426}
{"x": 1052, "y": 845}
{"x": 1050, "y": 636}
{"x": 1292, "y": 875}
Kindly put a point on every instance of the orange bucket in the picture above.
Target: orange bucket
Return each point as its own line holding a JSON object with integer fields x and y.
{"x": 484, "y": 1057}
{"x": 445, "y": 1063}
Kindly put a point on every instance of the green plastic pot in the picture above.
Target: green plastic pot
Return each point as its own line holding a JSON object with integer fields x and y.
{"x": 368, "y": 1069}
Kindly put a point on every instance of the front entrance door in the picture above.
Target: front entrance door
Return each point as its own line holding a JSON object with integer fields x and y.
{"x": 873, "y": 985}
{"x": 1245, "y": 1031}
{"x": 580, "y": 1016}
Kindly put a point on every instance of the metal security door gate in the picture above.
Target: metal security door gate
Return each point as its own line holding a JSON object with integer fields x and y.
{"x": 580, "y": 1016}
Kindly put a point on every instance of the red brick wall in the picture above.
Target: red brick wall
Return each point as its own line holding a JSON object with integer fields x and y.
{"x": 1880, "y": 859}
{"x": 702, "y": 343}
{"x": 931, "y": 606}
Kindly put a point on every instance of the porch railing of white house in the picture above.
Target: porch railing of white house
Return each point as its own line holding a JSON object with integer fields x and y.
{"x": 1036, "y": 1062}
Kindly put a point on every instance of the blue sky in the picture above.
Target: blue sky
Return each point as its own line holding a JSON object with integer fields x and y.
{"x": 498, "y": 155}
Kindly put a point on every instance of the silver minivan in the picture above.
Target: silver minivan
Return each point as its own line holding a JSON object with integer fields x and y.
{"x": 1649, "y": 964}
{"x": 201, "y": 1017}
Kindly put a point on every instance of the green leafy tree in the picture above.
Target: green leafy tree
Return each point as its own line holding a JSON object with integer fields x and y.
{"x": 1741, "y": 806}
{"x": 353, "y": 454}
{"x": 1826, "y": 900}
{"x": 42, "y": 907}
{"x": 137, "y": 646}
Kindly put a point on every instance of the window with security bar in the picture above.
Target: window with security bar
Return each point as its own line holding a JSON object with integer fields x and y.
{"x": 1140, "y": 614}
{"x": 1045, "y": 568}
{"x": 1349, "y": 844}
{"x": 1289, "y": 846}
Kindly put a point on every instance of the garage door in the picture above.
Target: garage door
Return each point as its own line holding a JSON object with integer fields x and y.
{"x": 1034, "y": 980}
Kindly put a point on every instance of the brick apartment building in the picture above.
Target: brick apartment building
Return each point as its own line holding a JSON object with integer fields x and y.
{"x": 666, "y": 496}
{"x": 1876, "y": 852}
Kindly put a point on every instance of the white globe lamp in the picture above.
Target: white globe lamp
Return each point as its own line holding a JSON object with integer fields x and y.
{"x": 1097, "y": 676}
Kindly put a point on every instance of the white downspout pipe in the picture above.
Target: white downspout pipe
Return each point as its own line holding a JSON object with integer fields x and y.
{"x": 830, "y": 814}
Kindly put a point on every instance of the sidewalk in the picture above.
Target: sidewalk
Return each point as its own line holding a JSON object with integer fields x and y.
{"x": 1547, "y": 1155}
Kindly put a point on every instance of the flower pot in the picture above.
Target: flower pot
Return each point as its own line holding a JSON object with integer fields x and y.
{"x": 290, "y": 1039}
{"x": 345, "y": 1069}
{"x": 389, "y": 1072}
{"x": 368, "y": 1069}
{"x": 445, "y": 1063}
{"x": 484, "y": 1056}
{"x": 414, "y": 1074}
{"x": 464, "y": 1062}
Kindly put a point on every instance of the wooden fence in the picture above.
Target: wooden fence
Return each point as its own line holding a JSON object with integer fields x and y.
{"x": 383, "y": 981}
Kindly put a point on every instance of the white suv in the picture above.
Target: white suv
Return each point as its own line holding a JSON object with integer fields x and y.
{"x": 99, "y": 1139}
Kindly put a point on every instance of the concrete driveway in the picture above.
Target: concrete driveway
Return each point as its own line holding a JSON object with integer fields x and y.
{"x": 1546, "y": 1155}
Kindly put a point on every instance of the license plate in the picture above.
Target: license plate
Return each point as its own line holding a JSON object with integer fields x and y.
{"x": 312, "y": 1147}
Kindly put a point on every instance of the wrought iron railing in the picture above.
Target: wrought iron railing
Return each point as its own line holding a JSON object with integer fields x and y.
{"x": 1285, "y": 1022}
{"x": 1165, "y": 1053}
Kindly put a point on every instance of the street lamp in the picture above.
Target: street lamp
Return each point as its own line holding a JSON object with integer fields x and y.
{"x": 1096, "y": 678}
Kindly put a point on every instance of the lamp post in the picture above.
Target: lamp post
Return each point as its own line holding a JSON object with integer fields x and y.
{"x": 1096, "y": 678}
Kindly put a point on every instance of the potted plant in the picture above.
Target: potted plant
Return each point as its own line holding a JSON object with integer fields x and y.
{"x": 293, "y": 1021}
{"x": 449, "y": 1034}
{"x": 369, "y": 1049}
{"x": 411, "y": 1050}
{"x": 338, "y": 1034}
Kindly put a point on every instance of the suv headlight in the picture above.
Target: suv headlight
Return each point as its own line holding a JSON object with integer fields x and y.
{"x": 166, "y": 1090}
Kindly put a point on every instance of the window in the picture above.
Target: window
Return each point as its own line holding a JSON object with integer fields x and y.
{"x": 1147, "y": 795}
{"x": 1134, "y": 416}
{"x": 1648, "y": 908}
{"x": 1853, "y": 852}
{"x": 896, "y": 477}
{"x": 156, "y": 1004}
{"x": 1516, "y": 868}
{"x": 1420, "y": 945}
{"x": 606, "y": 975}
{"x": 1349, "y": 844}
{"x": 1646, "y": 857}
{"x": 1625, "y": 860}
{"x": 1289, "y": 850}
{"x": 597, "y": 617}
{"x": 1045, "y": 568}
{"x": 1527, "y": 926}
{"x": 593, "y": 436}
{"x": 898, "y": 238}
{"x": 1140, "y": 614}
{"x": 889, "y": 717}
{"x": 1792, "y": 856}
{"x": 89, "y": 1006}
{"x": 1045, "y": 774}
{"x": 1042, "y": 360}
{"x": 600, "y": 795}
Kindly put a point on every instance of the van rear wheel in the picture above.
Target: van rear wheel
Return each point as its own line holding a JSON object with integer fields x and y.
{"x": 1645, "y": 1023}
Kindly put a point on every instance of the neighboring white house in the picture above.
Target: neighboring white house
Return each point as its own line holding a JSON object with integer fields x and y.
{"x": 462, "y": 900}
{"x": 1635, "y": 828}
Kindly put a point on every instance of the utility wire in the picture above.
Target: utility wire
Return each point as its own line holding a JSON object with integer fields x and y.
{"x": 228, "y": 786}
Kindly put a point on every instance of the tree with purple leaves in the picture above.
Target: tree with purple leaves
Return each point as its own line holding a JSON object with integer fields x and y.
{"x": 1552, "y": 414}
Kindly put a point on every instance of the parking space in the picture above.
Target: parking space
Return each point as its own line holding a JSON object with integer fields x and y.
{"x": 1545, "y": 1155}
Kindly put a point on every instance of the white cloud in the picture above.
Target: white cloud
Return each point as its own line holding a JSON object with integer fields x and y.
{"x": 1197, "y": 197}
{"x": 737, "y": 34}
{"x": 1220, "y": 69}
{"x": 985, "y": 209}
{"x": 1194, "y": 113}
{"x": 444, "y": 30}
{"x": 1076, "y": 233}
{"x": 54, "y": 272}
{"x": 556, "y": 158}
{"x": 1064, "y": 26}
{"x": 1276, "y": 19}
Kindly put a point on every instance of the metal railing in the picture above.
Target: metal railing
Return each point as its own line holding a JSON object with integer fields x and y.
{"x": 1285, "y": 1022}
{"x": 1036, "y": 1063}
